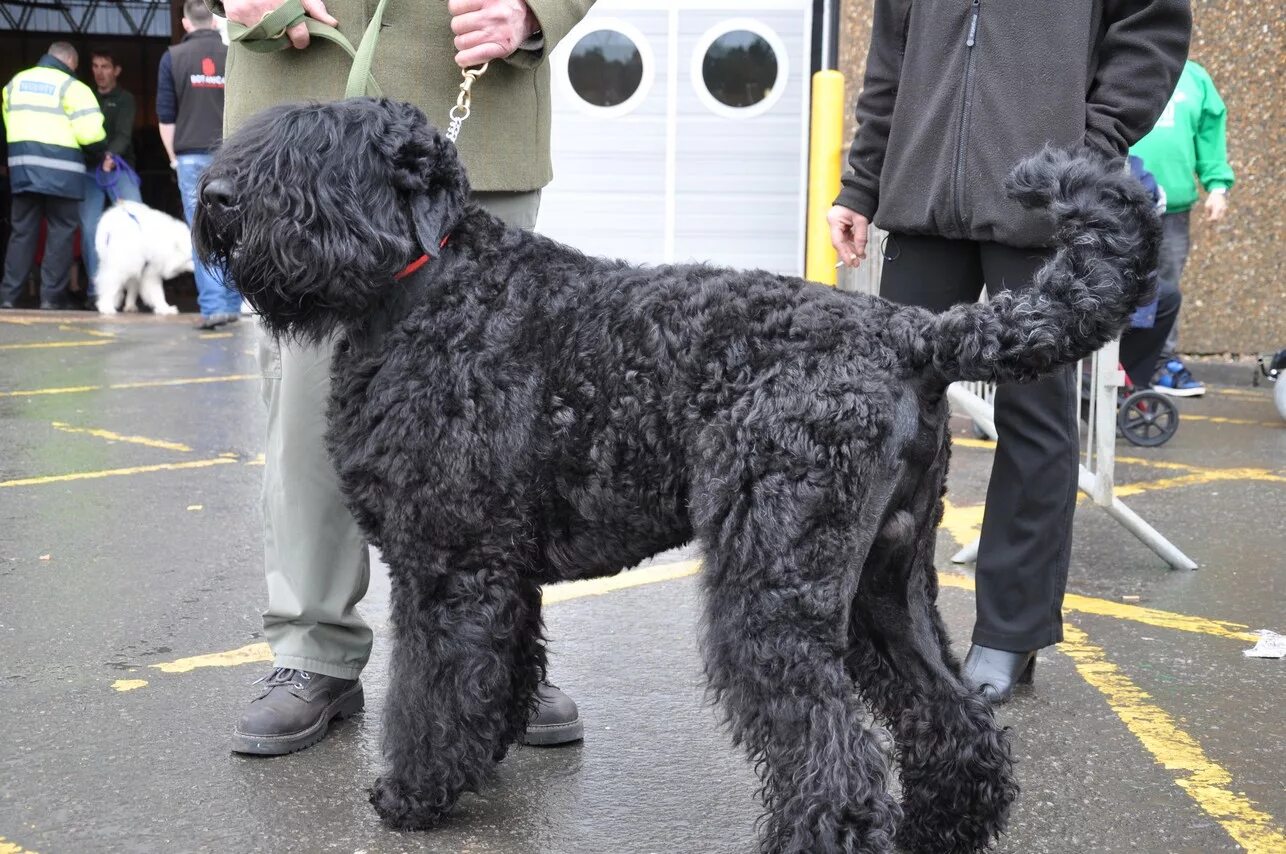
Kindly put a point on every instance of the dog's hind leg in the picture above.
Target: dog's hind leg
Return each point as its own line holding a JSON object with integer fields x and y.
{"x": 153, "y": 294}
{"x": 466, "y": 651}
{"x": 108, "y": 286}
{"x": 131, "y": 294}
{"x": 780, "y": 574}
{"x": 957, "y": 775}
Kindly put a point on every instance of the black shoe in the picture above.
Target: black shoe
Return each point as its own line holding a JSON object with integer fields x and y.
{"x": 7, "y": 304}
{"x": 49, "y": 305}
{"x": 995, "y": 672}
{"x": 557, "y": 720}
{"x": 294, "y": 711}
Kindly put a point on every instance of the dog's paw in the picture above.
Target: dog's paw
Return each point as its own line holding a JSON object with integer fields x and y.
{"x": 404, "y": 809}
{"x": 106, "y": 309}
{"x": 165, "y": 309}
{"x": 130, "y": 308}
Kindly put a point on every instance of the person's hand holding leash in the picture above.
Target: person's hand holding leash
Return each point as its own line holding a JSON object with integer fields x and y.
{"x": 251, "y": 12}
{"x": 848, "y": 234}
{"x": 109, "y": 163}
{"x": 489, "y": 29}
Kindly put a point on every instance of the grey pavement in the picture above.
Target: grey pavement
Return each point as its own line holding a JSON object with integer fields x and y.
{"x": 117, "y": 554}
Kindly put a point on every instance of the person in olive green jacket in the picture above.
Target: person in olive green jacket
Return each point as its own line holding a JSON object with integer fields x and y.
{"x": 315, "y": 557}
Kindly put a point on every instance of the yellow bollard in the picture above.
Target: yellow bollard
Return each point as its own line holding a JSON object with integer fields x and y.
{"x": 825, "y": 156}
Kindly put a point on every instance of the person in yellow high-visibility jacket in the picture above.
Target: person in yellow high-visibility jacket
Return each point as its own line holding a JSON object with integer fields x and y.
{"x": 53, "y": 123}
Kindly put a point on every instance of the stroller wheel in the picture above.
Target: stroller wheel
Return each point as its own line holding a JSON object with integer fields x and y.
{"x": 1147, "y": 418}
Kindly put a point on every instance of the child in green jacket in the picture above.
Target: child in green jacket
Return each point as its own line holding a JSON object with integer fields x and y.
{"x": 1187, "y": 144}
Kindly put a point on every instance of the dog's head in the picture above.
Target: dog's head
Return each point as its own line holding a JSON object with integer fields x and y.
{"x": 313, "y": 209}
{"x": 174, "y": 257}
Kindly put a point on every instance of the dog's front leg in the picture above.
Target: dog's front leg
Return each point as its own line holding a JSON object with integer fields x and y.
{"x": 466, "y": 651}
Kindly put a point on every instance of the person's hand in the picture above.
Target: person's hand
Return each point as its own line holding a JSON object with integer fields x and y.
{"x": 251, "y": 12}
{"x": 1216, "y": 206}
{"x": 109, "y": 163}
{"x": 848, "y": 234}
{"x": 489, "y": 29}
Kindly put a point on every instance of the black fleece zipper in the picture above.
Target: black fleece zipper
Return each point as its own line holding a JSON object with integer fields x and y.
{"x": 957, "y": 179}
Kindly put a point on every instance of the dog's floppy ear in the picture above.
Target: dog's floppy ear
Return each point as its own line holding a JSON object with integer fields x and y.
{"x": 426, "y": 168}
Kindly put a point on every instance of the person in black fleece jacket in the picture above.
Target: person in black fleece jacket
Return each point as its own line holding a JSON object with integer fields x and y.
{"x": 956, "y": 93}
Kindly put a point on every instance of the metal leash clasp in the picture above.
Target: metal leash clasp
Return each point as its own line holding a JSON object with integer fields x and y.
{"x": 463, "y": 101}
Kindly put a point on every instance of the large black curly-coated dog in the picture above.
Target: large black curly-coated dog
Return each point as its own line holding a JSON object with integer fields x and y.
{"x": 514, "y": 413}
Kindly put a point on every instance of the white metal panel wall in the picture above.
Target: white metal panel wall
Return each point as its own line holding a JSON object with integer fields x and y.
{"x": 672, "y": 176}
{"x": 608, "y": 193}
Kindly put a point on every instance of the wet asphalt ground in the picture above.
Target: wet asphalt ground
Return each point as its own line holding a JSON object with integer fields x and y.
{"x": 131, "y": 581}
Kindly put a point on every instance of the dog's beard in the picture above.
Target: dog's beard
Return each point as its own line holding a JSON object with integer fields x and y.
{"x": 306, "y": 285}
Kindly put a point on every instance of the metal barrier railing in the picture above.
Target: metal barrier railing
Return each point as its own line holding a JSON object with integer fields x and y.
{"x": 1097, "y": 469}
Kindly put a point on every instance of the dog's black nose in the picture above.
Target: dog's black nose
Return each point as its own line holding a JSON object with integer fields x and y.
{"x": 218, "y": 194}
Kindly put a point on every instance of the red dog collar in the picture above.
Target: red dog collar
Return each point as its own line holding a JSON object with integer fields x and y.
{"x": 419, "y": 262}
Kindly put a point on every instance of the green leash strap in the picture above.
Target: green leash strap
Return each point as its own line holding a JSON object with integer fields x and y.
{"x": 269, "y": 36}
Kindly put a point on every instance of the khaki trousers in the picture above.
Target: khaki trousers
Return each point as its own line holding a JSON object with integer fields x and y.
{"x": 315, "y": 559}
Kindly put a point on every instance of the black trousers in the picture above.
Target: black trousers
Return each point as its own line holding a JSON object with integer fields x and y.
{"x": 63, "y": 216}
{"x": 1027, "y": 526}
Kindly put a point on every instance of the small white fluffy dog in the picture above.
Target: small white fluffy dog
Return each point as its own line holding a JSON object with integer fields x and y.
{"x": 138, "y": 249}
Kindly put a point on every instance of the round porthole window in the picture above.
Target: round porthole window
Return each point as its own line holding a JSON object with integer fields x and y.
{"x": 607, "y": 68}
{"x": 740, "y": 68}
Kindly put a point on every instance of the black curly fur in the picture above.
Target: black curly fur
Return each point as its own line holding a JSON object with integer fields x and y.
{"x": 518, "y": 413}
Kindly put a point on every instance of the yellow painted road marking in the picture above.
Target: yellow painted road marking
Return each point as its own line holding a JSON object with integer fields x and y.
{"x": 149, "y": 384}
{"x": 128, "y": 684}
{"x": 1125, "y": 490}
{"x": 1219, "y": 419}
{"x": 567, "y": 591}
{"x": 259, "y": 652}
{"x": 1264, "y": 393}
{"x": 93, "y": 332}
{"x": 92, "y": 475}
{"x": 963, "y": 523}
{"x": 48, "y": 345}
{"x": 116, "y": 437}
{"x": 1133, "y": 613}
{"x": 255, "y": 652}
{"x": 1205, "y": 781}
{"x": 1160, "y": 464}
{"x": 7, "y": 847}
{"x": 44, "y": 318}
{"x": 966, "y": 442}
{"x": 598, "y": 586}
{"x": 210, "y": 336}
{"x": 1196, "y": 474}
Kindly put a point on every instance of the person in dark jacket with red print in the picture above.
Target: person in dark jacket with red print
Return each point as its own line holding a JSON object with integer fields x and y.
{"x": 189, "y": 107}
{"x": 956, "y": 93}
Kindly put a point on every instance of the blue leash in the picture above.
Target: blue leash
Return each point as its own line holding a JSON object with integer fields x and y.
{"x": 107, "y": 181}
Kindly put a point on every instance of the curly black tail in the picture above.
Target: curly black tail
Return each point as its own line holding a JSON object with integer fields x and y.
{"x": 1108, "y": 236}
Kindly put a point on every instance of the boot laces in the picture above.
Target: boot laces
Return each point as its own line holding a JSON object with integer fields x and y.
{"x": 284, "y": 676}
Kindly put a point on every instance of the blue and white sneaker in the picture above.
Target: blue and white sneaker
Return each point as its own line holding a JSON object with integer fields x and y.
{"x": 1174, "y": 380}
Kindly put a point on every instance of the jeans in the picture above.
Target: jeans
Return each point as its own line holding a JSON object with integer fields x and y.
{"x": 1174, "y": 255}
{"x": 212, "y": 294}
{"x": 91, "y": 211}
